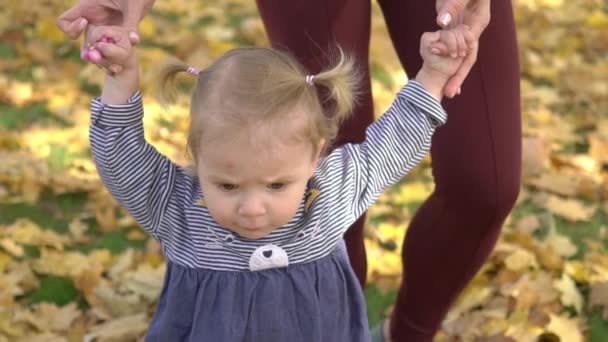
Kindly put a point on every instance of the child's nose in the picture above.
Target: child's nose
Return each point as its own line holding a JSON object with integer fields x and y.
{"x": 252, "y": 207}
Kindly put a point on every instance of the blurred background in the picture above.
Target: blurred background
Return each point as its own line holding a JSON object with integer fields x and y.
{"x": 74, "y": 266}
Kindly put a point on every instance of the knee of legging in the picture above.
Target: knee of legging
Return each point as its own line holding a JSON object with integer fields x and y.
{"x": 495, "y": 201}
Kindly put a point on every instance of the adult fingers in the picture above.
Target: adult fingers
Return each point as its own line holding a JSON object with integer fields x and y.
{"x": 479, "y": 17}
{"x": 461, "y": 43}
{"x": 453, "y": 85}
{"x": 71, "y": 22}
{"x": 448, "y": 10}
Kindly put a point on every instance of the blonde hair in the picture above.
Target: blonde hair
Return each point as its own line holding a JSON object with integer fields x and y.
{"x": 252, "y": 85}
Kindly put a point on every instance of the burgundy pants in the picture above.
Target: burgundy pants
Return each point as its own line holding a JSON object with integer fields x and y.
{"x": 475, "y": 156}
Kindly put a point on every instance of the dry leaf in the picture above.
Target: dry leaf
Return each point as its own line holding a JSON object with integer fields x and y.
{"x": 567, "y": 329}
{"x": 599, "y": 297}
{"x": 521, "y": 260}
{"x": 570, "y": 209}
{"x": 120, "y": 329}
{"x": 570, "y": 294}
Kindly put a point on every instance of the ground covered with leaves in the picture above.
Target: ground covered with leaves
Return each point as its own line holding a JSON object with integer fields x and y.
{"x": 74, "y": 266}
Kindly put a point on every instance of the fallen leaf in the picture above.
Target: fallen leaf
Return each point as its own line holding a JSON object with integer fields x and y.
{"x": 127, "y": 328}
{"x": 567, "y": 329}
{"x": 599, "y": 297}
{"x": 570, "y": 295}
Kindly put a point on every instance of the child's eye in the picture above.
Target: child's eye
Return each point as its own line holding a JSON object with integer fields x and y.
{"x": 276, "y": 186}
{"x": 228, "y": 186}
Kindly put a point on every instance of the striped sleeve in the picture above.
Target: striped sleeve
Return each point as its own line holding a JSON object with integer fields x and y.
{"x": 393, "y": 146}
{"x": 136, "y": 174}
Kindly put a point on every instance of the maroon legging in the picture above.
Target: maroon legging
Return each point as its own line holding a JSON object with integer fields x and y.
{"x": 475, "y": 156}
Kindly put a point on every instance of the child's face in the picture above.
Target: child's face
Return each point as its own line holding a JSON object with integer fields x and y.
{"x": 253, "y": 187}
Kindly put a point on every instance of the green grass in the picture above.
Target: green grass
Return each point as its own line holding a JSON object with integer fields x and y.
{"x": 578, "y": 232}
{"x": 58, "y": 290}
{"x": 14, "y": 118}
{"x": 377, "y": 303}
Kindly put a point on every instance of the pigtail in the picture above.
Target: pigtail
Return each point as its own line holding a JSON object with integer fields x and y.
{"x": 340, "y": 87}
{"x": 167, "y": 76}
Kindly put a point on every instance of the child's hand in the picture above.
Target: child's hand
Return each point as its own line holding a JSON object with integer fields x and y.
{"x": 114, "y": 45}
{"x": 443, "y": 52}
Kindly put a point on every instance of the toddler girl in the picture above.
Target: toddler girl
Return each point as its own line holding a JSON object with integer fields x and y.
{"x": 253, "y": 236}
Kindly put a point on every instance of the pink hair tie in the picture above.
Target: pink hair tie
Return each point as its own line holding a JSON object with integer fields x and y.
{"x": 193, "y": 71}
{"x": 310, "y": 79}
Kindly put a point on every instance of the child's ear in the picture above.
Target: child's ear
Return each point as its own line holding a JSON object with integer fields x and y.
{"x": 320, "y": 148}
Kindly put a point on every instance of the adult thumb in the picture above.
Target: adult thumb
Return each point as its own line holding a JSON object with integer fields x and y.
{"x": 450, "y": 10}
{"x": 71, "y": 22}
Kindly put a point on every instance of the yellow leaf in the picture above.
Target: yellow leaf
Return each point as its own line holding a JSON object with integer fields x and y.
{"x": 567, "y": 329}
{"x": 521, "y": 260}
{"x": 147, "y": 28}
{"x": 48, "y": 30}
{"x": 570, "y": 209}
{"x": 578, "y": 271}
{"x": 535, "y": 156}
{"x": 599, "y": 19}
{"x": 565, "y": 184}
{"x": 570, "y": 293}
{"x": 50, "y": 317}
{"x": 11, "y": 247}
{"x": 146, "y": 281}
{"x": 559, "y": 243}
{"x": 127, "y": 328}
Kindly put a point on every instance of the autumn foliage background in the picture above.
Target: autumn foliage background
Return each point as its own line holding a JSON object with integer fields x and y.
{"x": 74, "y": 266}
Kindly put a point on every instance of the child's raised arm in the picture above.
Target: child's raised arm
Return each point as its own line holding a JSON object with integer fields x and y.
{"x": 144, "y": 181}
{"x": 114, "y": 44}
{"x": 443, "y": 52}
{"x": 397, "y": 142}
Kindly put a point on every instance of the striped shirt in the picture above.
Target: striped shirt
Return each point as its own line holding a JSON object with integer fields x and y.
{"x": 167, "y": 201}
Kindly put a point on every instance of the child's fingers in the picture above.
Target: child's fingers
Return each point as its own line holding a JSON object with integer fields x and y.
{"x": 112, "y": 34}
{"x": 112, "y": 53}
{"x": 439, "y": 48}
{"x": 449, "y": 39}
{"x": 429, "y": 38}
{"x": 94, "y": 56}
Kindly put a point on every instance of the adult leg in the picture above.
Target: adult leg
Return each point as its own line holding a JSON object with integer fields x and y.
{"x": 476, "y": 166}
{"x": 309, "y": 29}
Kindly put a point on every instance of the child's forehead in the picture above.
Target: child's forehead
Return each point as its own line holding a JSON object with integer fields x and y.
{"x": 257, "y": 127}
{"x": 263, "y": 158}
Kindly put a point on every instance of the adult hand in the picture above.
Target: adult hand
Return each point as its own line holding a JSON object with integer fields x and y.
{"x": 476, "y": 15}
{"x": 90, "y": 13}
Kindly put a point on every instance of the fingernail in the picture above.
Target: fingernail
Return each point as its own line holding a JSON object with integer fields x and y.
{"x": 435, "y": 51}
{"x": 82, "y": 24}
{"x": 445, "y": 19}
{"x": 95, "y": 56}
{"x": 454, "y": 54}
{"x": 458, "y": 92}
{"x": 133, "y": 36}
